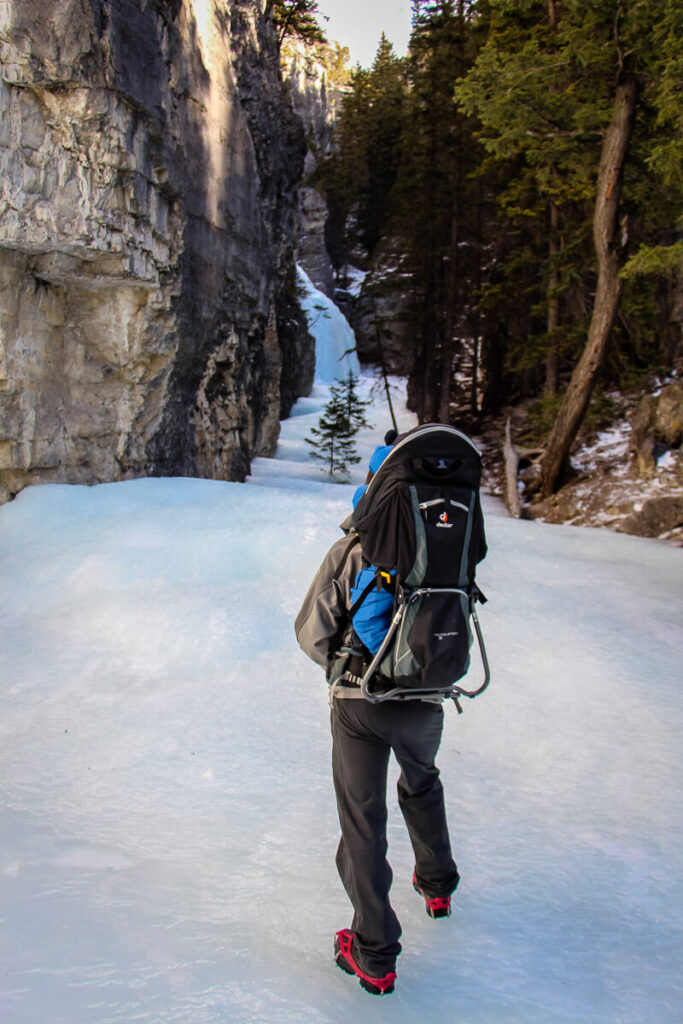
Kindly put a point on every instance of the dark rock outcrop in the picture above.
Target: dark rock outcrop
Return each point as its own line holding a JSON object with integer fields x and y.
{"x": 298, "y": 368}
{"x": 657, "y": 516}
{"x": 150, "y": 164}
{"x": 378, "y": 314}
{"x": 657, "y": 427}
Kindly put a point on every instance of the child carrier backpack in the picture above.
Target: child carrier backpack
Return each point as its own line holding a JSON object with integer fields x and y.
{"x": 421, "y": 531}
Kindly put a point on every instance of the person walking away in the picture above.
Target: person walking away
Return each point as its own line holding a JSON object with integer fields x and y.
{"x": 364, "y": 735}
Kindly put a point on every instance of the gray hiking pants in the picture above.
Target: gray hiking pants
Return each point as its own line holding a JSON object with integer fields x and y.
{"x": 363, "y": 736}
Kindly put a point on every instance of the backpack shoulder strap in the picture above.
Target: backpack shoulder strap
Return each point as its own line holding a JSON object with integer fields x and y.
{"x": 347, "y": 551}
{"x": 372, "y": 585}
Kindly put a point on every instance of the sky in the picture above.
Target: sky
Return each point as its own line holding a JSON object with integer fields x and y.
{"x": 359, "y": 24}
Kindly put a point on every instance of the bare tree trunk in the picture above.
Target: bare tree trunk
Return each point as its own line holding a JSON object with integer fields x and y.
{"x": 553, "y": 322}
{"x": 605, "y": 227}
{"x": 474, "y": 387}
{"x": 450, "y": 289}
{"x": 511, "y": 460}
{"x": 552, "y": 359}
{"x": 383, "y": 365}
{"x": 432, "y": 379}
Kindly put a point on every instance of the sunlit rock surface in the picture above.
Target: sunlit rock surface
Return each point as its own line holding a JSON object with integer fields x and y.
{"x": 318, "y": 100}
{"x": 149, "y": 165}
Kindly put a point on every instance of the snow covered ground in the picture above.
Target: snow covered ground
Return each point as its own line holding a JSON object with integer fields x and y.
{"x": 168, "y": 820}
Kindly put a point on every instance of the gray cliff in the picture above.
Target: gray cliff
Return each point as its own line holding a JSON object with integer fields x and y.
{"x": 150, "y": 162}
{"x": 317, "y": 100}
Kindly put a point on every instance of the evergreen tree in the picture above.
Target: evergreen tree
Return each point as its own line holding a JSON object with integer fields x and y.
{"x": 511, "y": 253}
{"x": 551, "y": 81}
{"x": 355, "y": 406}
{"x": 402, "y": 174}
{"x": 298, "y": 18}
{"x": 384, "y": 124}
{"x": 358, "y": 179}
{"x": 332, "y": 440}
{"x": 436, "y": 211}
{"x": 524, "y": 95}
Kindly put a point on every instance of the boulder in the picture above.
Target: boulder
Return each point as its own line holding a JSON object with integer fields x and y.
{"x": 657, "y": 427}
{"x": 656, "y": 517}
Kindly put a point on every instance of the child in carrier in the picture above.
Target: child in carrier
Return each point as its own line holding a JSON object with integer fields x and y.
{"x": 373, "y": 616}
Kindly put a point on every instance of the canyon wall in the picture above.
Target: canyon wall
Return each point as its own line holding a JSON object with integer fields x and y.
{"x": 373, "y": 299}
{"x": 149, "y": 169}
{"x": 317, "y": 99}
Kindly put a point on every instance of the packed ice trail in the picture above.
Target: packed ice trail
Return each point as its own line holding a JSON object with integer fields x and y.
{"x": 168, "y": 821}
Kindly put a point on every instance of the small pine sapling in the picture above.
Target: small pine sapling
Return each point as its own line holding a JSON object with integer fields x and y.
{"x": 332, "y": 440}
{"x": 355, "y": 406}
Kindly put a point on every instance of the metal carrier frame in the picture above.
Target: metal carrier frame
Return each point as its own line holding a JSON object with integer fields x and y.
{"x": 453, "y": 691}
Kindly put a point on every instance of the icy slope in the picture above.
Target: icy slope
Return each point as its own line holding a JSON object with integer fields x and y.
{"x": 335, "y": 342}
{"x": 168, "y": 821}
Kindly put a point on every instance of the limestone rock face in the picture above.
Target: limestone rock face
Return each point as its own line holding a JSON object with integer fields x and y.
{"x": 317, "y": 101}
{"x": 149, "y": 171}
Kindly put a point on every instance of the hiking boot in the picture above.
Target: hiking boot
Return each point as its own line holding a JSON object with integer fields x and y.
{"x": 437, "y": 906}
{"x": 343, "y": 957}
